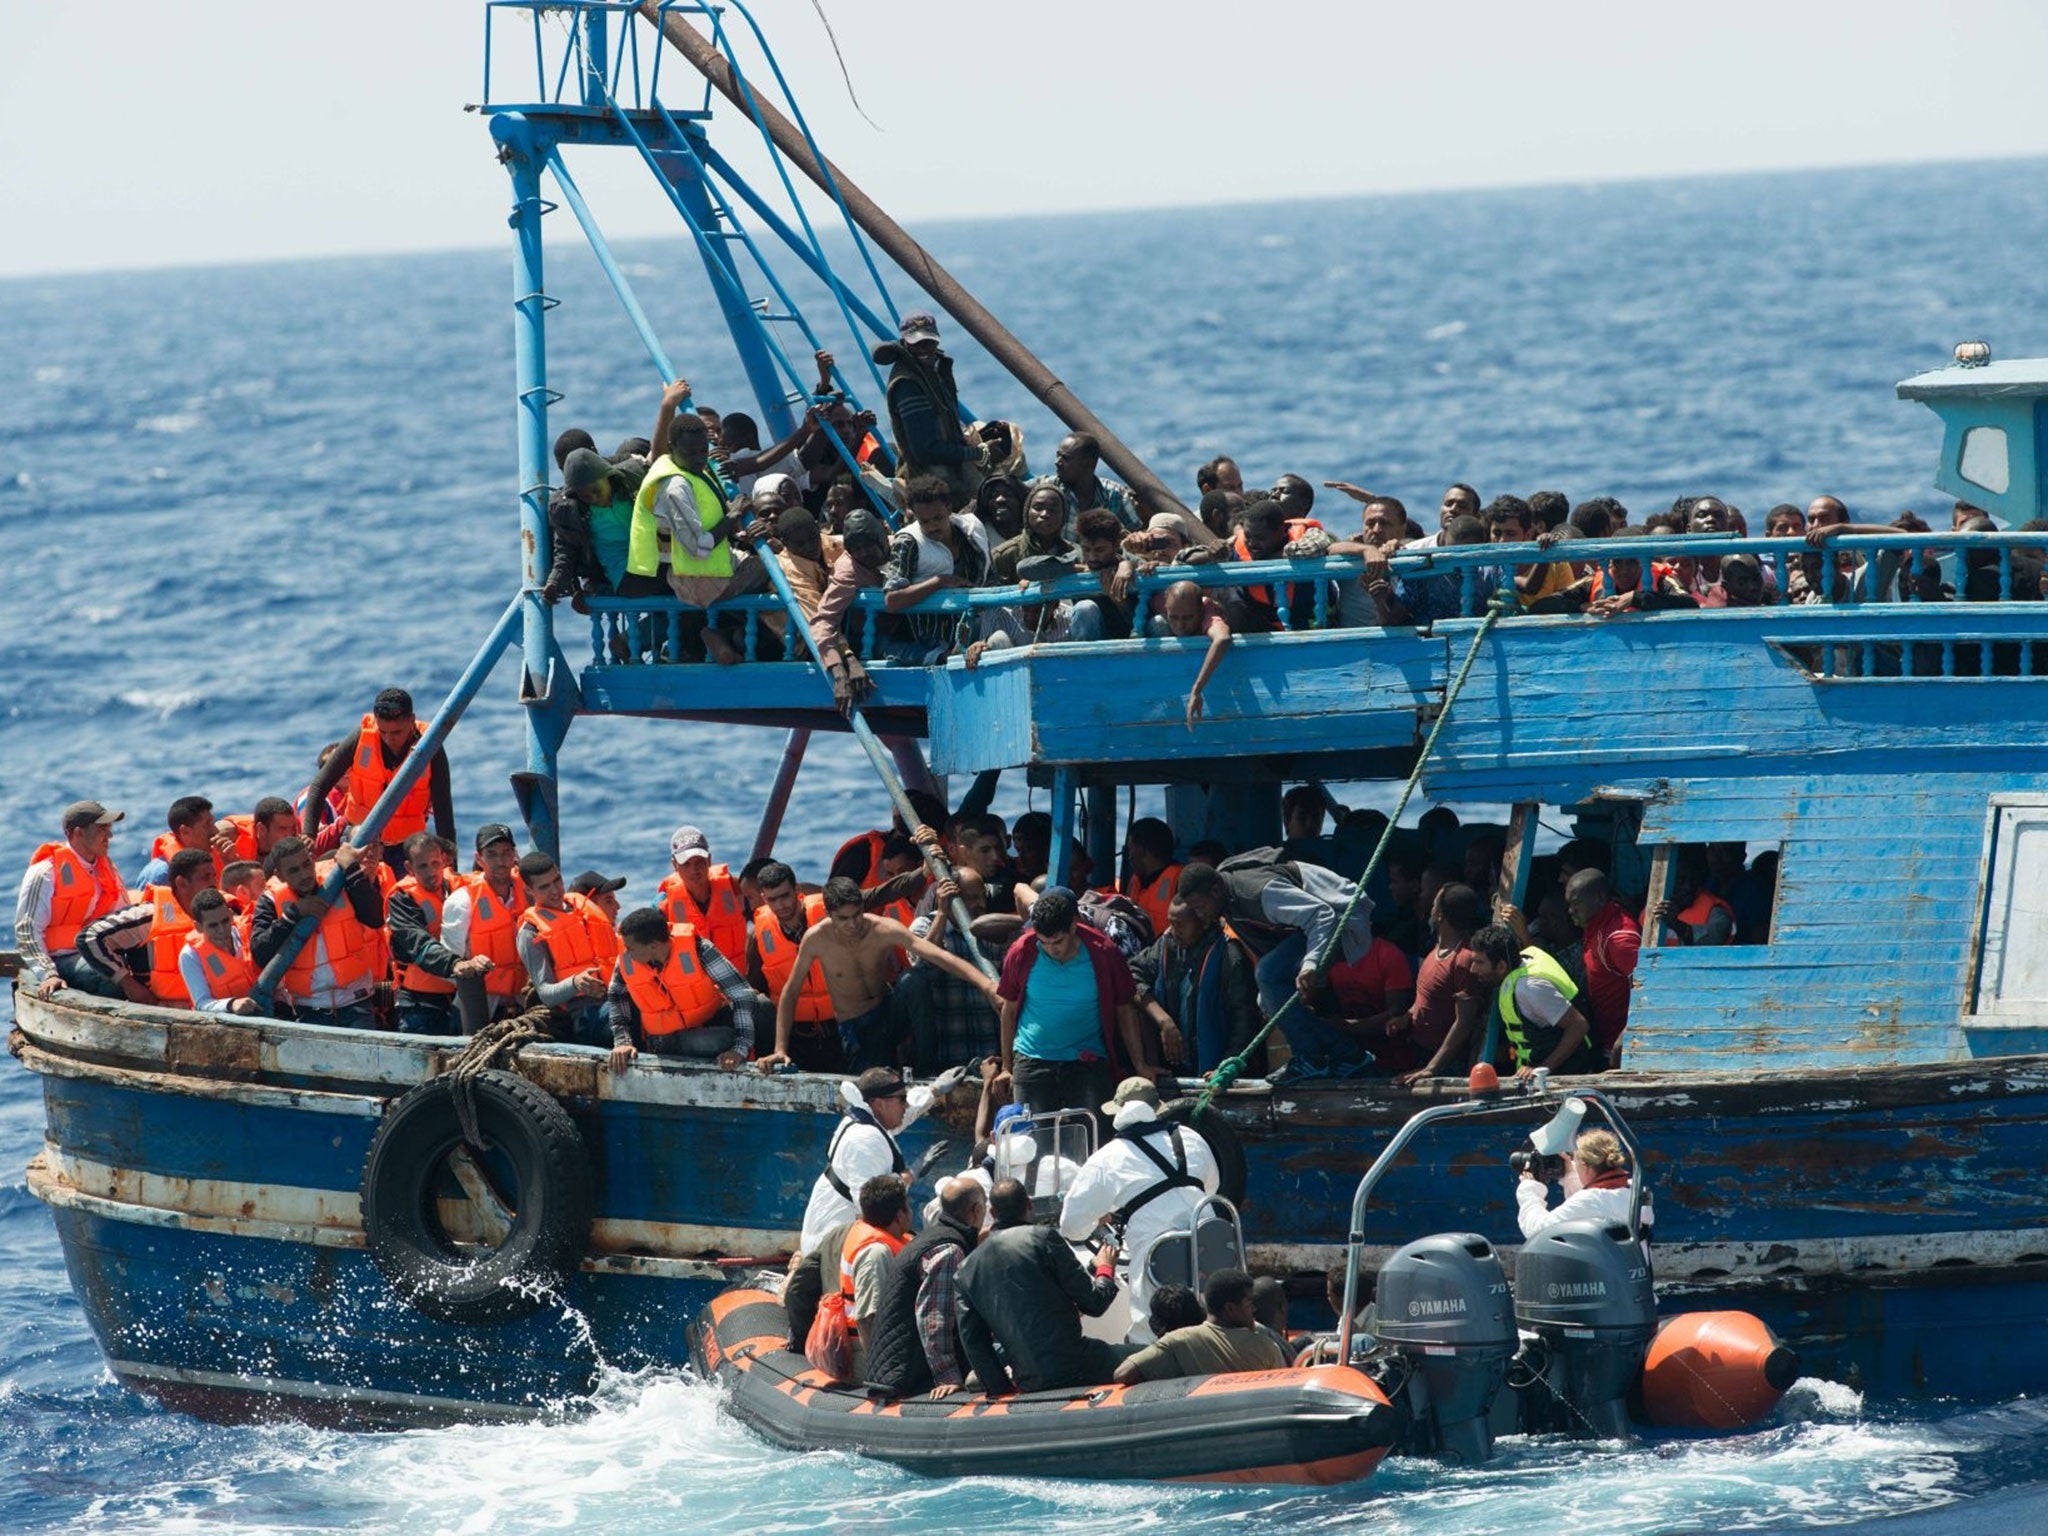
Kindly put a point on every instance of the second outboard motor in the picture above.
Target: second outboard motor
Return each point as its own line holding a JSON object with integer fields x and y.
{"x": 1584, "y": 1288}
{"x": 1443, "y": 1305}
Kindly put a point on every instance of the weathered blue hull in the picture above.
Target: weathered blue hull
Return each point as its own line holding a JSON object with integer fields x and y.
{"x": 1890, "y": 1222}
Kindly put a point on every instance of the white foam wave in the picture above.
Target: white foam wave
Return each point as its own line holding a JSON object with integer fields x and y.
{"x": 163, "y": 702}
{"x": 171, "y": 422}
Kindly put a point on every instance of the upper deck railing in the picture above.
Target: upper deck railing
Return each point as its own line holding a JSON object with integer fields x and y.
{"x": 639, "y": 631}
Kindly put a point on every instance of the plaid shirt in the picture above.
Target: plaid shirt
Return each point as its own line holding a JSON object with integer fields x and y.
{"x": 749, "y": 1008}
{"x": 938, "y": 1308}
{"x": 964, "y": 1025}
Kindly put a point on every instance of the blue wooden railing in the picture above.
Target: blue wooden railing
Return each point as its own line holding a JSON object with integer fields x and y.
{"x": 633, "y": 631}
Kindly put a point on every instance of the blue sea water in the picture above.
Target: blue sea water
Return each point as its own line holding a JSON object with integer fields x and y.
{"x": 234, "y": 502}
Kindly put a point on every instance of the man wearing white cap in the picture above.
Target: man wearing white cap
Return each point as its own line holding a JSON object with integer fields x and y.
{"x": 705, "y": 895}
{"x": 1150, "y": 1177}
{"x": 67, "y": 886}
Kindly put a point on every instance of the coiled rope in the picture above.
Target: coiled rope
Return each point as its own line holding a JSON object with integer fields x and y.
{"x": 1231, "y": 1068}
{"x": 492, "y": 1046}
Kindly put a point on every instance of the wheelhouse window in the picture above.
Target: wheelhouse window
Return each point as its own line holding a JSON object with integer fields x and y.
{"x": 1984, "y": 459}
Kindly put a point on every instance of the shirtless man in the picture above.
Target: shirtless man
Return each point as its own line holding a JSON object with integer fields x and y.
{"x": 856, "y": 951}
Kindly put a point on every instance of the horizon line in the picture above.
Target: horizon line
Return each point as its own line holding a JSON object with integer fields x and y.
{"x": 374, "y": 253}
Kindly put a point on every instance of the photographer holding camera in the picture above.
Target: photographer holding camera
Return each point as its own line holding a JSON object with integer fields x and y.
{"x": 1595, "y": 1180}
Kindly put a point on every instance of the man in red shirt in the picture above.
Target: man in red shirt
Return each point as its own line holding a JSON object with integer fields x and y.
{"x": 1610, "y": 941}
{"x": 1357, "y": 1003}
{"x": 1450, "y": 1002}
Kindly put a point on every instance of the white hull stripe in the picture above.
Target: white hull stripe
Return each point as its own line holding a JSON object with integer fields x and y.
{"x": 326, "y": 1218}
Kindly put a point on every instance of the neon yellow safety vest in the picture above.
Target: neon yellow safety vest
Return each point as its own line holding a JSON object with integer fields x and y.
{"x": 1537, "y": 963}
{"x": 644, "y": 543}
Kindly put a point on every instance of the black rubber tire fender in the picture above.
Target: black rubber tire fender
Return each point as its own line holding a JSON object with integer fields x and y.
{"x": 524, "y": 1126}
{"x": 1221, "y": 1136}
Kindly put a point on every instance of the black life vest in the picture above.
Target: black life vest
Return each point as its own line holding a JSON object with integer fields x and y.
{"x": 1172, "y": 1176}
{"x": 896, "y": 1363}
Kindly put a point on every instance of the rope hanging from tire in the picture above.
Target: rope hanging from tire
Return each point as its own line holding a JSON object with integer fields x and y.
{"x": 1231, "y": 1068}
{"x": 492, "y": 1047}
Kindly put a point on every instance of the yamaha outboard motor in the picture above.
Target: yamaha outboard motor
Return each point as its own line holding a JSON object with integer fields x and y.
{"x": 1583, "y": 1287}
{"x": 1443, "y": 1306}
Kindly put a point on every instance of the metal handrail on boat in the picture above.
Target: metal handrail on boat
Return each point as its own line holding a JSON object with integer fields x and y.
{"x": 1466, "y": 1110}
{"x": 617, "y": 617}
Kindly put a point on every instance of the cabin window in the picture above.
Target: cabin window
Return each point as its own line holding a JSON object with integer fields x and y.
{"x": 1984, "y": 460}
{"x": 2012, "y": 972}
{"x": 1726, "y": 892}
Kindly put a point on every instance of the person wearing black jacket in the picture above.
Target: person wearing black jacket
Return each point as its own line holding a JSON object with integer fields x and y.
{"x": 913, "y": 1338}
{"x": 1023, "y": 1291}
{"x": 924, "y": 410}
{"x": 1198, "y": 985}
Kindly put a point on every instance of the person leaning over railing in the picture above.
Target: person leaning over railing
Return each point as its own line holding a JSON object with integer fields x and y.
{"x": 836, "y": 628}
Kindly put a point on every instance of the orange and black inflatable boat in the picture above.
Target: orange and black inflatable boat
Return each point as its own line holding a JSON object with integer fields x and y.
{"x": 1329, "y": 1424}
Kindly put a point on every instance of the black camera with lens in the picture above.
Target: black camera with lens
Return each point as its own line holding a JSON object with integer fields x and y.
{"x": 1543, "y": 1166}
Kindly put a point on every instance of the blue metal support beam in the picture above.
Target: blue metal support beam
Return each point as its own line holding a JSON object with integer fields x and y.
{"x": 525, "y": 154}
{"x": 1059, "y": 868}
{"x": 778, "y": 794}
{"x": 734, "y": 182}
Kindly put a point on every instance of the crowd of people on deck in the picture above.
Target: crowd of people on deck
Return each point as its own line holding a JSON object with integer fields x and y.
{"x": 690, "y": 512}
{"x": 1162, "y": 968}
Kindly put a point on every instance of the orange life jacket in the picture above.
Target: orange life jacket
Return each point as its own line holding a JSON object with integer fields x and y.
{"x": 168, "y": 928}
{"x": 367, "y": 776}
{"x": 578, "y": 938}
{"x": 1154, "y": 898}
{"x": 1698, "y": 911}
{"x": 351, "y": 948}
{"x": 80, "y": 893}
{"x": 1296, "y": 526}
{"x": 778, "y": 959}
{"x": 494, "y": 932}
{"x": 167, "y": 847}
{"x": 227, "y": 974}
{"x": 874, "y": 841}
{"x": 677, "y": 996}
{"x": 244, "y": 828}
{"x": 722, "y": 920}
{"x": 860, "y": 1237}
{"x": 410, "y": 976}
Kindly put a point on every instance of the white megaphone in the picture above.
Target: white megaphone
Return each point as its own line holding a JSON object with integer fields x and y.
{"x": 1556, "y": 1136}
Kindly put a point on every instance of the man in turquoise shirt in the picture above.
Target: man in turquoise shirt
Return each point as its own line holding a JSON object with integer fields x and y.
{"x": 1070, "y": 1024}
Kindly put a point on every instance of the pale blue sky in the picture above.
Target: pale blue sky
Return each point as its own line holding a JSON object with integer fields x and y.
{"x": 215, "y": 130}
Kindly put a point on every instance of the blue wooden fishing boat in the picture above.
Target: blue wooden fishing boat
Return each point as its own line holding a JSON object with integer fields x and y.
{"x": 1845, "y": 1122}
